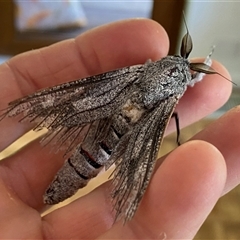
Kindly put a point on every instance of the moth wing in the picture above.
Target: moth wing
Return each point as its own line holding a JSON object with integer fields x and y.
{"x": 69, "y": 109}
{"x": 67, "y": 139}
{"x": 70, "y": 101}
{"x": 135, "y": 162}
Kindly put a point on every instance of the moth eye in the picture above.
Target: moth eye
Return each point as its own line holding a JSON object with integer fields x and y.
{"x": 186, "y": 46}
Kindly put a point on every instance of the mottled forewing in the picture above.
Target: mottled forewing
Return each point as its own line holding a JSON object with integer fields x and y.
{"x": 68, "y": 110}
{"x": 136, "y": 161}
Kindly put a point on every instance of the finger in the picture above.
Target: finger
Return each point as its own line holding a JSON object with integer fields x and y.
{"x": 203, "y": 98}
{"x": 182, "y": 193}
{"x": 101, "y": 49}
{"x": 17, "y": 221}
{"x": 85, "y": 218}
{"x": 224, "y": 134}
{"x": 29, "y": 174}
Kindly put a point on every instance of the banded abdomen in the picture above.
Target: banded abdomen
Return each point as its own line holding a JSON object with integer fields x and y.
{"x": 93, "y": 154}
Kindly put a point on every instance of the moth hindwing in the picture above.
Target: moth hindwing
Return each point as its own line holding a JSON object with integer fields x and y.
{"x": 118, "y": 117}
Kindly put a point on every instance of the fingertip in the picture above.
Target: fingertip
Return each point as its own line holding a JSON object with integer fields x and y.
{"x": 128, "y": 42}
{"x": 214, "y": 87}
{"x": 184, "y": 189}
{"x": 218, "y": 87}
{"x": 197, "y": 155}
{"x": 201, "y": 164}
{"x": 195, "y": 165}
{"x": 206, "y": 96}
{"x": 224, "y": 134}
{"x": 222, "y": 84}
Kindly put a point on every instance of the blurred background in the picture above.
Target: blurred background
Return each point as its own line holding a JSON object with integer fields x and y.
{"x": 27, "y": 25}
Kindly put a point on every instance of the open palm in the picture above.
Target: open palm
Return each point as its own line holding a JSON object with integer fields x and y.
{"x": 182, "y": 191}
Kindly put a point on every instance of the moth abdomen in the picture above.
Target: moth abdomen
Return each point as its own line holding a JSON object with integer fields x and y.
{"x": 85, "y": 163}
{"x": 93, "y": 154}
{"x": 88, "y": 158}
{"x": 74, "y": 174}
{"x": 105, "y": 147}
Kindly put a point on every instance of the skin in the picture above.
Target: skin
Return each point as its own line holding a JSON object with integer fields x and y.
{"x": 183, "y": 190}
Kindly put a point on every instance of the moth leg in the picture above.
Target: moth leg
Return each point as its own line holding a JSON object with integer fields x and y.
{"x": 175, "y": 116}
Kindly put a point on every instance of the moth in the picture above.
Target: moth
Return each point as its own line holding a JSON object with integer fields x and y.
{"x": 117, "y": 117}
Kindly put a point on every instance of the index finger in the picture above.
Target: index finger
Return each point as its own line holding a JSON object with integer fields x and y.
{"x": 98, "y": 50}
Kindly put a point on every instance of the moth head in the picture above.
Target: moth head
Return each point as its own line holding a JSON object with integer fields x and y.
{"x": 186, "y": 48}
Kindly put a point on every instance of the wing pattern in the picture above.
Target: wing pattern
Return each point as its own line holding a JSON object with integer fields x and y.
{"x": 67, "y": 110}
{"x": 135, "y": 158}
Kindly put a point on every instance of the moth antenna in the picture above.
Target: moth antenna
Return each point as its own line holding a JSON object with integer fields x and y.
{"x": 186, "y": 46}
{"x": 205, "y": 68}
{"x": 226, "y": 78}
{"x": 185, "y": 22}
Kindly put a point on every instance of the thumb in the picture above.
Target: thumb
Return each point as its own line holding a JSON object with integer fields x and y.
{"x": 182, "y": 193}
{"x": 186, "y": 187}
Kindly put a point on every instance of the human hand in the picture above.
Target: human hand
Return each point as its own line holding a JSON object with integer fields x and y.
{"x": 182, "y": 191}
